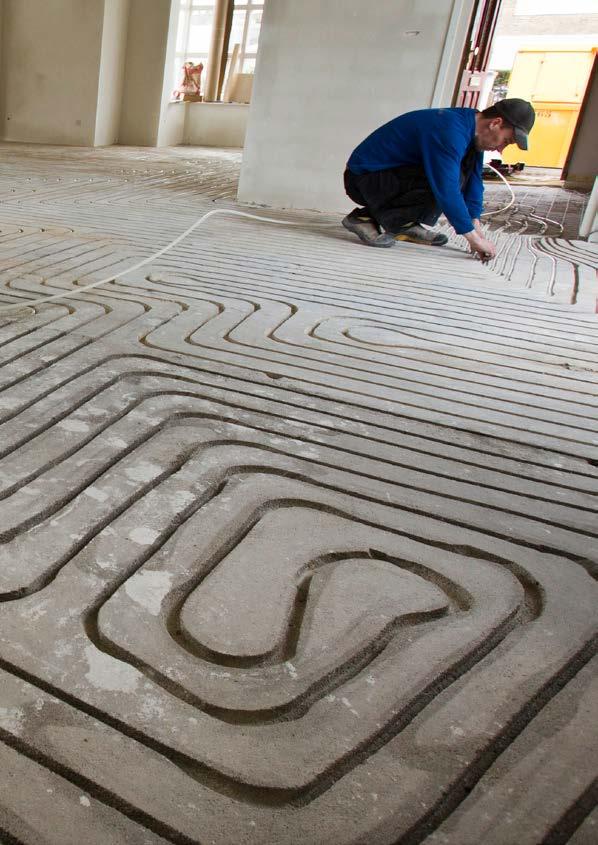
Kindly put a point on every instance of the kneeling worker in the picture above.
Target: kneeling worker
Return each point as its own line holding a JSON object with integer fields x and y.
{"x": 426, "y": 162}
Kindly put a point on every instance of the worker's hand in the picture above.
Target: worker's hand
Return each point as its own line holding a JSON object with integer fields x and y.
{"x": 480, "y": 246}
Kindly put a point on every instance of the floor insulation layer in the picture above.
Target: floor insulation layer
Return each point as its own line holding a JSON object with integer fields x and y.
{"x": 298, "y": 538}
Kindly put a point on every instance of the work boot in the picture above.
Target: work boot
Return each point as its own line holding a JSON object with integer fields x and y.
{"x": 416, "y": 234}
{"x": 367, "y": 231}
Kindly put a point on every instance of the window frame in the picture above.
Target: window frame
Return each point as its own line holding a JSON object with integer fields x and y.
{"x": 248, "y": 6}
{"x": 186, "y": 9}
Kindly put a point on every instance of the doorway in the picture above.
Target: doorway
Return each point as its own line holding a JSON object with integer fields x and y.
{"x": 543, "y": 51}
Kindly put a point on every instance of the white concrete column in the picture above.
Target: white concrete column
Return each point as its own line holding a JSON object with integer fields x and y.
{"x": 328, "y": 74}
{"x": 145, "y": 72}
{"x": 112, "y": 69}
{"x": 589, "y": 224}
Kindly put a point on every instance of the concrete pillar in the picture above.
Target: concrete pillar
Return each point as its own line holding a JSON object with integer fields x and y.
{"x": 112, "y": 68}
{"x": 145, "y": 71}
{"x": 589, "y": 224}
{"x": 2, "y": 85}
{"x": 328, "y": 74}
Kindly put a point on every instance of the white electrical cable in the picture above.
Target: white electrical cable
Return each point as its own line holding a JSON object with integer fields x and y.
{"x": 548, "y": 220}
{"x": 511, "y": 201}
{"x": 17, "y": 306}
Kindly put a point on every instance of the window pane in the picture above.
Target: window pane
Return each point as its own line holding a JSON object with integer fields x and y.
{"x": 236, "y": 33}
{"x": 180, "y": 36}
{"x": 194, "y": 34}
{"x": 200, "y": 31}
{"x": 253, "y": 32}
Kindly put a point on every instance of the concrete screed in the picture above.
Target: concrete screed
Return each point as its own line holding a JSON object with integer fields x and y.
{"x": 298, "y": 537}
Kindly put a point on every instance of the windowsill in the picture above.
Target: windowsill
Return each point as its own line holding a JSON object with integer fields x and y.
{"x": 202, "y": 103}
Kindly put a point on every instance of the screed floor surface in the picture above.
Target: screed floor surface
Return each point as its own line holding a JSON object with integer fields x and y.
{"x": 298, "y": 538}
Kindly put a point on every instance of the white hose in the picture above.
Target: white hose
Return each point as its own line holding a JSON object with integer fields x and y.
{"x": 17, "y": 306}
{"x": 547, "y": 220}
{"x": 511, "y": 201}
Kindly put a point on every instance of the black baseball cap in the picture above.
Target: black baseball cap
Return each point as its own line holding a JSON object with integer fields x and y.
{"x": 520, "y": 115}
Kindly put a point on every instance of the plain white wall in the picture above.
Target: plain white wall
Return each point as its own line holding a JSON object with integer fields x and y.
{"x": 450, "y": 68}
{"x": 112, "y": 68}
{"x": 50, "y": 67}
{"x": 328, "y": 74}
{"x": 216, "y": 124}
{"x": 2, "y": 95}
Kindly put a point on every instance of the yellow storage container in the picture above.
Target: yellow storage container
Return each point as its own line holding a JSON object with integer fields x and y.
{"x": 554, "y": 81}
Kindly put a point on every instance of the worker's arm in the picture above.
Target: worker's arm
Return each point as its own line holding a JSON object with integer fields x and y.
{"x": 473, "y": 192}
{"x": 442, "y": 155}
{"x": 441, "y": 159}
{"x": 474, "y": 197}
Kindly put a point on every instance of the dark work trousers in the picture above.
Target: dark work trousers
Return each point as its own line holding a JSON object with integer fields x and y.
{"x": 399, "y": 196}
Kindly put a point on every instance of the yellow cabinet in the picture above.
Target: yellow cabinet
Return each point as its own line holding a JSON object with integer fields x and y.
{"x": 554, "y": 81}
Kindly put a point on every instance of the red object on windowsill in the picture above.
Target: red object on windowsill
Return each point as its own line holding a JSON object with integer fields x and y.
{"x": 189, "y": 88}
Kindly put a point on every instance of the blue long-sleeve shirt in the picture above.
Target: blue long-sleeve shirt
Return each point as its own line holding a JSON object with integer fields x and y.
{"x": 437, "y": 140}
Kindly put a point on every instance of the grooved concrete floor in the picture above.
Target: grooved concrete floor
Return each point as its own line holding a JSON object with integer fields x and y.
{"x": 298, "y": 537}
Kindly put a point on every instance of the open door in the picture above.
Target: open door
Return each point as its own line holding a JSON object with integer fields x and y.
{"x": 477, "y": 53}
{"x": 555, "y": 81}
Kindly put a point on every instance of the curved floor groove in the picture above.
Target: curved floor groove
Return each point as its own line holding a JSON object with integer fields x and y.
{"x": 297, "y": 539}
